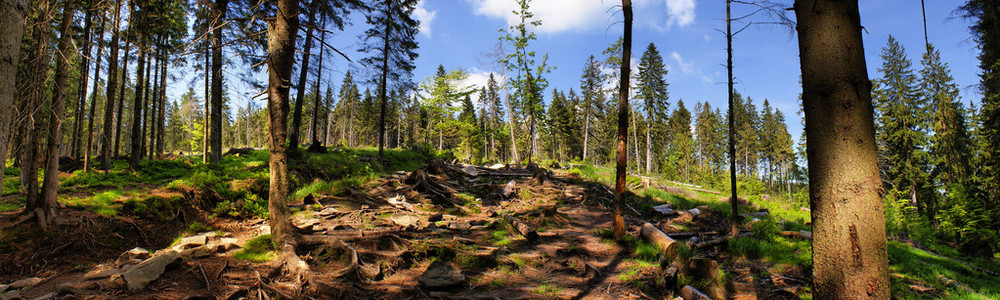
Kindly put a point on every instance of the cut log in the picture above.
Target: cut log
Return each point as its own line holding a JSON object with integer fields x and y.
{"x": 666, "y": 244}
{"x": 670, "y": 277}
{"x": 958, "y": 285}
{"x": 691, "y": 233}
{"x": 802, "y": 234}
{"x": 688, "y": 215}
{"x": 705, "y": 191}
{"x": 691, "y": 293}
{"x": 524, "y": 229}
{"x": 509, "y": 189}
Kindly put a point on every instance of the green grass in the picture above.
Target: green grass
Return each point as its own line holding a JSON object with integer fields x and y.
{"x": 102, "y": 203}
{"x": 258, "y": 249}
{"x": 924, "y": 267}
{"x": 549, "y": 290}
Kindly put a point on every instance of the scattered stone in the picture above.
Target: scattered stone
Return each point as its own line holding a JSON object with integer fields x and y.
{"x": 266, "y": 229}
{"x": 68, "y": 288}
{"x": 135, "y": 253}
{"x": 470, "y": 170}
{"x": 327, "y": 212}
{"x": 441, "y": 275}
{"x": 191, "y": 242}
{"x": 11, "y": 295}
{"x": 197, "y": 252}
{"x": 24, "y": 283}
{"x": 400, "y": 202}
{"x": 307, "y": 224}
{"x": 405, "y": 220}
{"x": 150, "y": 269}
{"x": 225, "y": 244}
{"x": 101, "y": 272}
{"x": 460, "y": 226}
{"x": 665, "y": 209}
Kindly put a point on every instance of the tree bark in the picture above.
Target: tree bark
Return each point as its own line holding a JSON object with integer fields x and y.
{"x": 382, "y": 84}
{"x": 121, "y": 101}
{"x": 281, "y": 55}
{"x": 734, "y": 228}
{"x": 850, "y": 258}
{"x": 622, "y": 163}
{"x": 136, "y": 144}
{"x": 300, "y": 92}
{"x": 29, "y": 160}
{"x": 88, "y": 146}
{"x": 163, "y": 106}
{"x": 11, "y": 30}
{"x": 81, "y": 105}
{"x": 45, "y": 212}
{"x": 109, "y": 106}
{"x": 220, "y": 12}
{"x": 145, "y": 102}
{"x": 319, "y": 77}
{"x": 205, "y": 125}
{"x": 154, "y": 102}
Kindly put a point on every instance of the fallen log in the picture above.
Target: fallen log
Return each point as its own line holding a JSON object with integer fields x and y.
{"x": 665, "y": 209}
{"x": 802, "y": 234}
{"x": 508, "y": 189}
{"x": 718, "y": 241}
{"x": 691, "y": 233}
{"x": 705, "y": 191}
{"x": 691, "y": 293}
{"x": 754, "y": 214}
{"x": 524, "y": 229}
{"x": 666, "y": 244}
{"x": 952, "y": 283}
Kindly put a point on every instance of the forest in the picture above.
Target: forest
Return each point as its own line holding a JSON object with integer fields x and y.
{"x": 199, "y": 149}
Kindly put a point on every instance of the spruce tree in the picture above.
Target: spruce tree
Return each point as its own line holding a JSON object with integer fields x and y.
{"x": 592, "y": 101}
{"x": 652, "y": 85}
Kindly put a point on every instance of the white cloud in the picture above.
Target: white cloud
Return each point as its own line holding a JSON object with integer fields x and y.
{"x": 425, "y": 17}
{"x": 681, "y": 12}
{"x": 686, "y": 67}
{"x": 556, "y": 15}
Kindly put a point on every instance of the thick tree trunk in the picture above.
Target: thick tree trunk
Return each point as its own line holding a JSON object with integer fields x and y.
{"x": 300, "y": 91}
{"x": 850, "y": 258}
{"x": 109, "y": 106}
{"x": 622, "y": 163}
{"x": 135, "y": 145}
{"x": 81, "y": 105}
{"x": 11, "y": 29}
{"x": 220, "y": 12}
{"x": 734, "y": 222}
{"x": 281, "y": 56}
{"x": 88, "y": 145}
{"x": 121, "y": 101}
{"x": 45, "y": 212}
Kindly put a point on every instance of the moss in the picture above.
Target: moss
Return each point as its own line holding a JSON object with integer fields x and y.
{"x": 258, "y": 249}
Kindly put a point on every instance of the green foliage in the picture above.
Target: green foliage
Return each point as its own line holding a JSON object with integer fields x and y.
{"x": 259, "y": 249}
{"x": 102, "y": 203}
{"x": 198, "y": 227}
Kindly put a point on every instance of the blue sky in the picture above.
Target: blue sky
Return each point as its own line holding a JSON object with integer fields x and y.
{"x": 457, "y": 33}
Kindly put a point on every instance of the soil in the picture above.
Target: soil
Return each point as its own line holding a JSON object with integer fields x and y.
{"x": 573, "y": 256}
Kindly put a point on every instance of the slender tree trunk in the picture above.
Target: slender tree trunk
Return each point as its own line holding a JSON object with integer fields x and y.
{"x": 33, "y": 104}
{"x": 382, "y": 84}
{"x": 82, "y": 87}
{"x": 619, "y": 221}
{"x": 109, "y": 106}
{"x": 205, "y": 124}
{"x": 733, "y": 199}
{"x": 849, "y": 244}
{"x": 87, "y": 159}
{"x": 11, "y": 30}
{"x": 121, "y": 101}
{"x": 140, "y": 69}
{"x": 649, "y": 142}
{"x": 300, "y": 92}
{"x": 220, "y": 12}
{"x": 163, "y": 106}
{"x": 45, "y": 213}
{"x": 145, "y": 102}
{"x": 586, "y": 131}
{"x": 319, "y": 78}
{"x": 635, "y": 143}
{"x": 281, "y": 55}
{"x": 154, "y": 102}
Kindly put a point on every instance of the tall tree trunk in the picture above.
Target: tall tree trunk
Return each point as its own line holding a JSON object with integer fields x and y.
{"x": 81, "y": 105}
{"x": 734, "y": 229}
{"x": 145, "y": 102}
{"x": 586, "y": 131}
{"x": 382, "y": 83}
{"x": 109, "y": 106}
{"x": 154, "y": 102}
{"x": 619, "y": 222}
{"x": 300, "y": 91}
{"x": 849, "y": 244}
{"x": 649, "y": 144}
{"x": 220, "y": 12}
{"x": 88, "y": 146}
{"x": 319, "y": 77}
{"x": 121, "y": 101}
{"x": 205, "y": 125}
{"x": 45, "y": 212}
{"x": 281, "y": 56}
{"x": 163, "y": 106}
{"x": 29, "y": 160}
{"x": 135, "y": 144}
{"x": 11, "y": 30}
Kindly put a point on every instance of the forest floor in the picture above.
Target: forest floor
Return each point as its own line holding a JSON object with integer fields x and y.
{"x": 425, "y": 228}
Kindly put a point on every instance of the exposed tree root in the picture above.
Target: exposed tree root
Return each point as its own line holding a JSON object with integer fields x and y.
{"x": 420, "y": 181}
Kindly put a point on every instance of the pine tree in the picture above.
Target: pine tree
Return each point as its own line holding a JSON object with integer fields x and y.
{"x": 592, "y": 101}
{"x": 901, "y": 134}
{"x": 682, "y": 143}
{"x": 652, "y": 85}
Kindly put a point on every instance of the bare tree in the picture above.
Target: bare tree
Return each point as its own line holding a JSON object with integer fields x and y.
{"x": 623, "y": 109}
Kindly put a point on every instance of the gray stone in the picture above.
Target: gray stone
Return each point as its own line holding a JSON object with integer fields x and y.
{"x": 135, "y": 253}
{"x": 224, "y": 244}
{"x": 329, "y": 211}
{"x": 192, "y": 241}
{"x": 150, "y": 269}
{"x": 101, "y": 272}
{"x": 460, "y": 226}
{"x": 441, "y": 275}
{"x": 405, "y": 220}
{"x": 11, "y": 295}
{"x": 198, "y": 252}
{"x": 27, "y": 282}
{"x": 68, "y": 288}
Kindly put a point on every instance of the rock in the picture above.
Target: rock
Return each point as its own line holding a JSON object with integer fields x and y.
{"x": 266, "y": 229}
{"x": 46, "y": 296}
{"x": 460, "y": 226}
{"x": 191, "y": 242}
{"x": 400, "y": 202}
{"x": 101, "y": 272}
{"x": 405, "y": 220}
{"x": 68, "y": 288}
{"x": 307, "y": 224}
{"x": 471, "y": 171}
{"x": 135, "y": 253}
{"x": 225, "y": 244}
{"x": 496, "y": 166}
{"x": 11, "y": 295}
{"x": 150, "y": 269}
{"x": 24, "y": 283}
{"x": 665, "y": 209}
{"x": 197, "y": 252}
{"x": 327, "y": 212}
{"x": 441, "y": 275}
